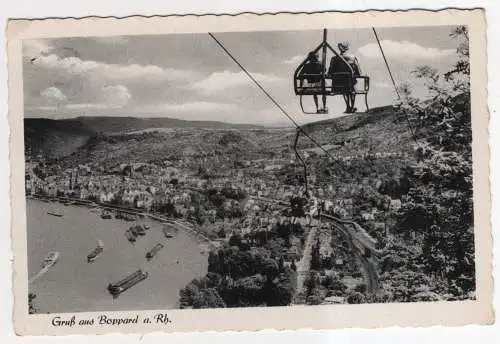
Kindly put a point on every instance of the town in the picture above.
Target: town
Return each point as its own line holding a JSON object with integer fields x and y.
{"x": 234, "y": 195}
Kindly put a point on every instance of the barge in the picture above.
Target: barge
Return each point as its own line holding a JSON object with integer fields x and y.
{"x": 96, "y": 252}
{"x": 56, "y": 213}
{"x": 130, "y": 236}
{"x": 154, "y": 251}
{"x": 169, "y": 232}
{"x": 138, "y": 229}
{"x": 126, "y": 216}
{"x": 126, "y": 283}
{"x": 106, "y": 215}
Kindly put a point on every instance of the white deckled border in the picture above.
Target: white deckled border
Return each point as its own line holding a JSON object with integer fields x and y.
{"x": 278, "y": 318}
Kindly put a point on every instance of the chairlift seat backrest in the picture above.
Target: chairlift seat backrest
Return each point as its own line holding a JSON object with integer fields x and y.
{"x": 312, "y": 72}
{"x": 338, "y": 65}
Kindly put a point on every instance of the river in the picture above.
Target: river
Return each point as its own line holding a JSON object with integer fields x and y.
{"x": 73, "y": 285}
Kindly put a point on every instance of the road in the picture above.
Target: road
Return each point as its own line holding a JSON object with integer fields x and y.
{"x": 368, "y": 265}
{"x": 359, "y": 240}
{"x": 304, "y": 264}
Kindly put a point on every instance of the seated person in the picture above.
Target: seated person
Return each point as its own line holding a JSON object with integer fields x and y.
{"x": 312, "y": 72}
{"x": 343, "y": 65}
{"x": 337, "y": 63}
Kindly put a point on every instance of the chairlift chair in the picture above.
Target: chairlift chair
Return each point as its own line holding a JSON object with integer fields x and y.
{"x": 340, "y": 80}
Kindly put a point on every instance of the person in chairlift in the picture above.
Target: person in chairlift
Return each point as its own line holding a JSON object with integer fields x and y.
{"x": 337, "y": 65}
{"x": 313, "y": 71}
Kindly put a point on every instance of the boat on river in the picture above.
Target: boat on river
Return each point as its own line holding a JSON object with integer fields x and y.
{"x": 138, "y": 229}
{"x": 154, "y": 251}
{"x": 106, "y": 215}
{"x": 50, "y": 260}
{"x": 126, "y": 216}
{"x": 169, "y": 231}
{"x": 128, "y": 282}
{"x": 55, "y": 212}
{"x": 130, "y": 236}
{"x": 92, "y": 256}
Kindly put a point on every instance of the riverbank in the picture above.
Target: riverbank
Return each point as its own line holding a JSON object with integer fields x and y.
{"x": 127, "y": 210}
{"x": 73, "y": 285}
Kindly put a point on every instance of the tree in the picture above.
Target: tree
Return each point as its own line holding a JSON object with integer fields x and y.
{"x": 208, "y": 298}
{"x": 437, "y": 210}
{"x": 31, "y": 303}
{"x": 316, "y": 257}
{"x": 235, "y": 240}
{"x": 356, "y": 298}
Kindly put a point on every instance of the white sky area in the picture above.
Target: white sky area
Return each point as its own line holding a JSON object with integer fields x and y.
{"x": 189, "y": 76}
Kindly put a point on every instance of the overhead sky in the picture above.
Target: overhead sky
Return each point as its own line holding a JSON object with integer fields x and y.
{"x": 189, "y": 77}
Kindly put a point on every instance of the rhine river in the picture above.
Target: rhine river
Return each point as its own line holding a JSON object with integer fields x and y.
{"x": 73, "y": 285}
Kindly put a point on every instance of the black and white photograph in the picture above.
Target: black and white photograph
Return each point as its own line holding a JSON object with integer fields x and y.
{"x": 228, "y": 170}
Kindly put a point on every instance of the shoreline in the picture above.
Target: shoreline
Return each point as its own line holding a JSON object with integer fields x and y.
{"x": 58, "y": 279}
{"x": 131, "y": 211}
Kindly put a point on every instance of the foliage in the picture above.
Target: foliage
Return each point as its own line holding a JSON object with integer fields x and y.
{"x": 31, "y": 303}
{"x": 436, "y": 216}
{"x": 241, "y": 278}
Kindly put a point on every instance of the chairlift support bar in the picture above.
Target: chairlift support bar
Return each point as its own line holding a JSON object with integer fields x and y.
{"x": 304, "y": 165}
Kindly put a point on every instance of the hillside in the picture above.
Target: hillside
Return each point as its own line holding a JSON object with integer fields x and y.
{"x": 376, "y": 131}
{"x": 58, "y": 138}
{"x": 119, "y": 125}
{"x": 379, "y": 130}
{"x": 55, "y": 138}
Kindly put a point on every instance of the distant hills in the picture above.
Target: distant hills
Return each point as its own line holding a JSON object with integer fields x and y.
{"x": 118, "y": 125}
{"x": 58, "y": 138}
{"x": 55, "y": 138}
{"x": 62, "y": 137}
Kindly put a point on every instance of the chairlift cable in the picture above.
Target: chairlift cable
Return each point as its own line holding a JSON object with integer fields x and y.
{"x": 394, "y": 83}
{"x": 253, "y": 79}
{"x": 299, "y": 128}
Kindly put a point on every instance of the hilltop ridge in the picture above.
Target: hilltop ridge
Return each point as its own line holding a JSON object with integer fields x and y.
{"x": 56, "y": 138}
{"x": 59, "y": 138}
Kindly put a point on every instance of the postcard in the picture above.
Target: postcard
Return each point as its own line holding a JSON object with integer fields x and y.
{"x": 259, "y": 171}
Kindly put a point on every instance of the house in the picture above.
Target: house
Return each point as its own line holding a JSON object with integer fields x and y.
{"x": 395, "y": 204}
{"x": 331, "y": 300}
{"x": 368, "y": 216}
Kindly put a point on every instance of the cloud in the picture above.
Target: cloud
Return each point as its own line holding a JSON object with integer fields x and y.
{"x": 90, "y": 106}
{"x": 118, "y": 95}
{"x": 52, "y": 95}
{"x": 222, "y": 81}
{"x": 404, "y": 50}
{"x": 74, "y": 66}
{"x": 197, "y": 106}
{"x": 90, "y": 82}
{"x": 295, "y": 60}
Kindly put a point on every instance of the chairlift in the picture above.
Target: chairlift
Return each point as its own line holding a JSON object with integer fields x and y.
{"x": 340, "y": 79}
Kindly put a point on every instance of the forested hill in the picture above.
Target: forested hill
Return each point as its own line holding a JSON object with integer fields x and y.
{"x": 117, "y": 125}
{"x": 353, "y": 121}
{"x": 56, "y": 138}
